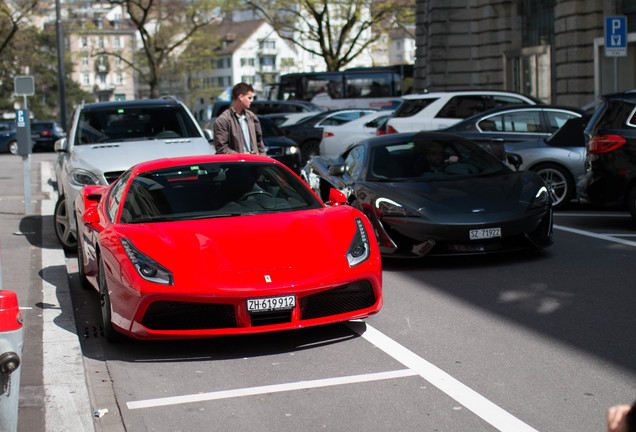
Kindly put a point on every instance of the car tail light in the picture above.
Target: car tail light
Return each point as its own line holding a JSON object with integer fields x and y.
{"x": 284, "y": 131}
{"x": 327, "y": 134}
{"x": 605, "y": 143}
{"x": 47, "y": 133}
{"x": 390, "y": 130}
{"x": 380, "y": 132}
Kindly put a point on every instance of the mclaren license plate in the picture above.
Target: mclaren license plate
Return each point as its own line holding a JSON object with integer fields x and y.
{"x": 485, "y": 233}
{"x": 268, "y": 304}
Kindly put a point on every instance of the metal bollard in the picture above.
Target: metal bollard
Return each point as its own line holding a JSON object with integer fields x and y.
{"x": 10, "y": 352}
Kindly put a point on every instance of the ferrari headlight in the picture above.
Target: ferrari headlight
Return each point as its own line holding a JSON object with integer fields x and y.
{"x": 359, "y": 250}
{"x": 541, "y": 198}
{"x": 147, "y": 268}
{"x": 82, "y": 177}
{"x": 388, "y": 207}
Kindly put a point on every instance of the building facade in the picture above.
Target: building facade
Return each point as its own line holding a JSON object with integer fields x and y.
{"x": 550, "y": 49}
{"x": 89, "y": 29}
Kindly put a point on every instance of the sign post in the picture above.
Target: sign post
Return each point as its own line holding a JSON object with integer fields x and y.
{"x": 616, "y": 41}
{"x": 24, "y": 87}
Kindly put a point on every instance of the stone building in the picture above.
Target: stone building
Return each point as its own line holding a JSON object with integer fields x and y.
{"x": 551, "y": 49}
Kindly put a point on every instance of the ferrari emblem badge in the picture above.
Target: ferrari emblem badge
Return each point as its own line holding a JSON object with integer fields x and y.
{"x": 268, "y": 279}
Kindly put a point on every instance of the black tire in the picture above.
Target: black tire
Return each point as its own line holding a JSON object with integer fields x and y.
{"x": 631, "y": 202}
{"x": 12, "y": 147}
{"x": 308, "y": 150}
{"x": 62, "y": 223}
{"x": 559, "y": 182}
{"x": 110, "y": 333}
{"x": 80, "y": 266}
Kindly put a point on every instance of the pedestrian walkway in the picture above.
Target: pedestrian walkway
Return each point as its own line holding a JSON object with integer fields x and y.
{"x": 53, "y": 390}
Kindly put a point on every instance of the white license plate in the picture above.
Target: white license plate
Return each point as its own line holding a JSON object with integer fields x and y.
{"x": 485, "y": 233}
{"x": 267, "y": 304}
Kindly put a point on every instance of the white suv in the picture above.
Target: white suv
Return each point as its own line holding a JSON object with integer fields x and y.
{"x": 438, "y": 110}
{"x": 107, "y": 138}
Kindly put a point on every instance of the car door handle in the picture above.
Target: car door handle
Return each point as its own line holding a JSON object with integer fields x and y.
{"x": 497, "y": 140}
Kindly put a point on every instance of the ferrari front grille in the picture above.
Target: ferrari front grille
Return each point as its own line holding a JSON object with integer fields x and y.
{"x": 168, "y": 315}
{"x": 347, "y": 298}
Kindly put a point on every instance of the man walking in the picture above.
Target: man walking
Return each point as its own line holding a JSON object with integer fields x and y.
{"x": 237, "y": 129}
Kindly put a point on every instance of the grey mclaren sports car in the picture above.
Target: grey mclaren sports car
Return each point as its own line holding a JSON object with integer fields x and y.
{"x": 430, "y": 193}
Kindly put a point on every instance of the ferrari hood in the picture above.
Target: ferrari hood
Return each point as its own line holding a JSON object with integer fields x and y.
{"x": 470, "y": 196}
{"x": 119, "y": 156}
{"x": 247, "y": 251}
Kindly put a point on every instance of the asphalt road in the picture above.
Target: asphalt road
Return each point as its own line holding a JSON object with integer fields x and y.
{"x": 530, "y": 341}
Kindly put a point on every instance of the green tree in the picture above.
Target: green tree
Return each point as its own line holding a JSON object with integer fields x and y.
{"x": 336, "y": 30}
{"x": 33, "y": 52}
{"x": 165, "y": 28}
{"x": 12, "y": 16}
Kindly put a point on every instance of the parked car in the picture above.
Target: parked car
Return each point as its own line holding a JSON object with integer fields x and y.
{"x": 278, "y": 146}
{"x": 610, "y": 177}
{"x": 288, "y": 119}
{"x": 431, "y": 193}
{"x": 44, "y": 134}
{"x": 507, "y": 126}
{"x": 558, "y": 159}
{"x": 308, "y": 132}
{"x": 335, "y": 139}
{"x": 8, "y": 137}
{"x": 438, "y": 110}
{"x": 107, "y": 138}
{"x": 263, "y": 107}
{"x": 221, "y": 245}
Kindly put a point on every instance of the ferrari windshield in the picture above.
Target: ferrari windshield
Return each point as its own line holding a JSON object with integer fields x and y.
{"x": 431, "y": 159}
{"x": 212, "y": 190}
{"x": 114, "y": 124}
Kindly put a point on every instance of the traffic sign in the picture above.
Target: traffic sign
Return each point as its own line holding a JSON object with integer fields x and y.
{"x": 616, "y": 36}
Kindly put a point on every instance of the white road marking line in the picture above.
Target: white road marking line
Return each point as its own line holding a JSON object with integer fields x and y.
{"x": 482, "y": 407}
{"x": 276, "y": 388}
{"x": 597, "y": 236}
{"x": 619, "y": 215}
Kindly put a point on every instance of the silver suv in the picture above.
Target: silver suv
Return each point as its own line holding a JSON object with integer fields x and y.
{"x": 439, "y": 110}
{"x": 107, "y": 138}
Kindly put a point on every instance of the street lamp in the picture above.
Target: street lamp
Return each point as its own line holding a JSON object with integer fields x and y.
{"x": 60, "y": 64}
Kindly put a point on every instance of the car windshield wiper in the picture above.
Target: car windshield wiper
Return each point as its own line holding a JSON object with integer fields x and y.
{"x": 174, "y": 218}
{"x": 153, "y": 219}
{"x": 212, "y": 216}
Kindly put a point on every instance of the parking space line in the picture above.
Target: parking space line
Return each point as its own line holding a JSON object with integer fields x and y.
{"x": 276, "y": 388}
{"x": 597, "y": 236}
{"x": 478, "y": 404}
{"x": 618, "y": 215}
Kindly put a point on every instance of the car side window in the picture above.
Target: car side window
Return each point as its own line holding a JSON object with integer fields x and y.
{"x": 410, "y": 107}
{"x": 460, "y": 107}
{"x": 556, "y": 119}
{"x": 115, "y": 196}
{"x": 354, "y": 162}
{"x": 512, "y": 122}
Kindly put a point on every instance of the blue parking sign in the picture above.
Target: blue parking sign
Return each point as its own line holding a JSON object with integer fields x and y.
{"x": 616, "y": 36}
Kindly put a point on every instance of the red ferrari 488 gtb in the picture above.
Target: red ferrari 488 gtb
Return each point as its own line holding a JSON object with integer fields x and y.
{"x": 217, "y": 245}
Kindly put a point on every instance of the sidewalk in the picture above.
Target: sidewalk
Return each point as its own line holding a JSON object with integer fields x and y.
{"x": 53, "y": 390}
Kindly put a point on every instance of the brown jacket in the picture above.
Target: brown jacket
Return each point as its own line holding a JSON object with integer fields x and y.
{"x": 228, "y": 136}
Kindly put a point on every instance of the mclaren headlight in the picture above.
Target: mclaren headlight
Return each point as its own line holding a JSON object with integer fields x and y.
{"x": 82, "y": 177}
{"x": 388, "y": 207}
{"x": 359, "y": 250}
{"x": 147, "y": 268}
{"x": 541, "y": 198}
